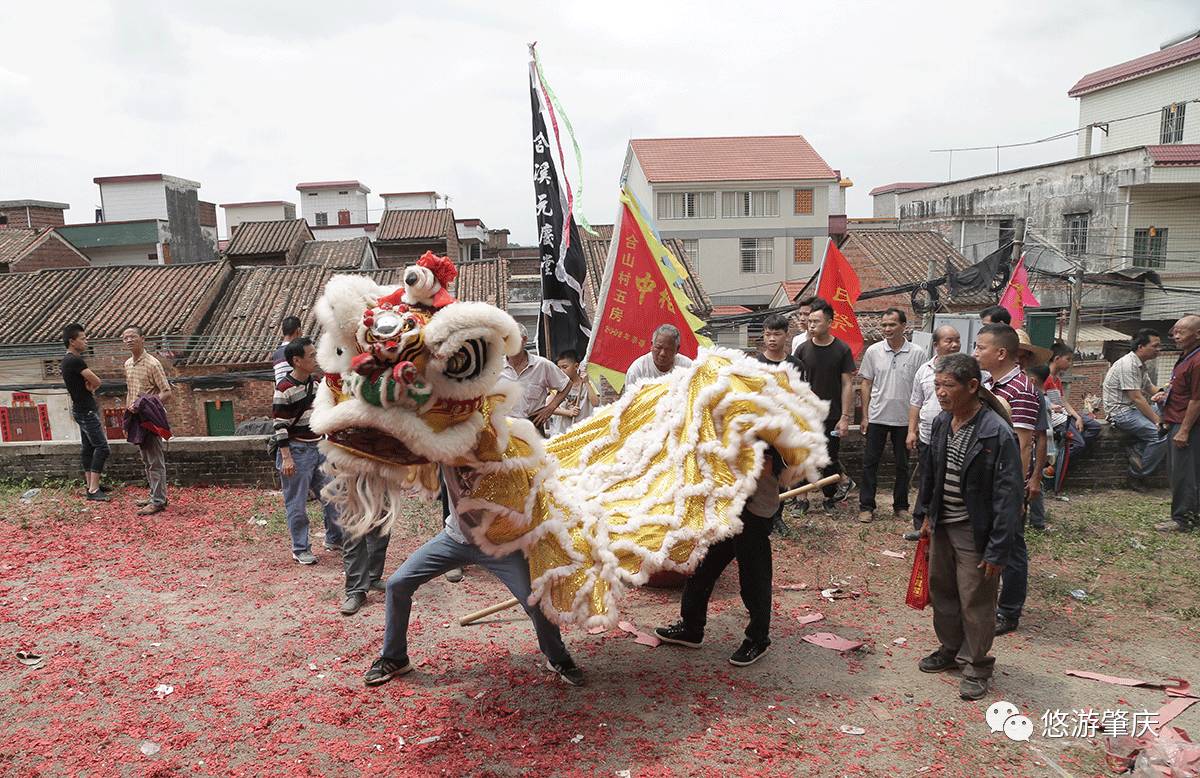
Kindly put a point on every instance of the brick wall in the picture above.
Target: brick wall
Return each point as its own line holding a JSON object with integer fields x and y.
{"x": 53, "y": 253}
{"x": 34, "y": 217}
{"x": 242, "y": 461}
{"x": 1085, "y": 378}
{"x": 405, "y": 254}
{"x": 1105, "y": 467}
{"x": 231, "y": 461}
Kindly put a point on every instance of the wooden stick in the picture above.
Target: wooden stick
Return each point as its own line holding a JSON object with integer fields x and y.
{"x": 488, "y": 611}
{"x": 827, "y": 481}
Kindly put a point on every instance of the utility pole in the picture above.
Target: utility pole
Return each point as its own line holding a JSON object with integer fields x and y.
{"x": 1018, "y": 240}
{"x": 930, "y": 274}
{"x": 1076, "y": 302}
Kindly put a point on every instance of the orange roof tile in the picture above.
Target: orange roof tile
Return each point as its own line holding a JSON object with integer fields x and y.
{"x": 744, "y": 158}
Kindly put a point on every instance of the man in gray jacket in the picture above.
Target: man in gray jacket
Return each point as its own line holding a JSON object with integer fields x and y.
{"x": 970, "y": 496}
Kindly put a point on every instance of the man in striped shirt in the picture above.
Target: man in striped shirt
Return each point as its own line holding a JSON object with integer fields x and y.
{"x": 298, "y": 459}
{"x": 996, "y": 348}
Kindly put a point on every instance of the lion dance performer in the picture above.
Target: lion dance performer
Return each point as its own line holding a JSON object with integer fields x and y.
{"x": 648, "y": 483}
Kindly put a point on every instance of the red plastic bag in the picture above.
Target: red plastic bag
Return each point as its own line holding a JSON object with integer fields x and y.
{"x": 918, "y": 582}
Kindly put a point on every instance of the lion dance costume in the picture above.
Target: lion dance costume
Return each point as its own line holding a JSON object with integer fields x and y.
{"x": 646, "y": 484}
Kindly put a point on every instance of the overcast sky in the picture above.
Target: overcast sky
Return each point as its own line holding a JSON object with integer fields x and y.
{"x": 251, "y": 97}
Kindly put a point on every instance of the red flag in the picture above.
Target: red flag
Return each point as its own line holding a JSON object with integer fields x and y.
{"x": 839, "y": 287}
{"x": 1017, "y": 296}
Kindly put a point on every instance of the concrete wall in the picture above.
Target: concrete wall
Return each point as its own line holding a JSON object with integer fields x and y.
{"x": 328, "y": 201}
{"x": 343, "y": 233}
{"x": 236, "y": 214}
{"x": 190, "y": 242}
{"x": 410, "y": 201}
{"x": 230, "y": 461}
{"x": 1149, "y": 93}
{"x": 124, "y": 255}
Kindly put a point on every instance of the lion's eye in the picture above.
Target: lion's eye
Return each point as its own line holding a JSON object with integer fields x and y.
{"x": 467, "y": 363}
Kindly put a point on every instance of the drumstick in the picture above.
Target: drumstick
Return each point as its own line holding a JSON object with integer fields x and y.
{"x": 827, "y": 481}
{"x": 488, "y": 611}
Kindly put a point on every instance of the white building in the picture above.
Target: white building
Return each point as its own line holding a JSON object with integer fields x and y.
{"x": 334, "y": 203}
{"x": 751, "y": 211}
{"x": 472, "y": 237}
{"x": 1130, "y": 201}
{"x": 412, "y": 201}
{"x": 257, "y": 211}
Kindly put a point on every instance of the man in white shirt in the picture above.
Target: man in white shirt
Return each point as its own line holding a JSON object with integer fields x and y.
{"x": 664, "y": 357}
{"x": 887, "y": 370}
{"x": 537, "y": 376}
{"x": 801, "y": 316}
{"x": 923, "y": 405}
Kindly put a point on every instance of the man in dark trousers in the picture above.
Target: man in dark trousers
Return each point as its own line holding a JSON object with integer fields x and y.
{"x": 751, "y": 547}
{"x": 81, "y": 385}
{"x": 829, "y": 365}
{"x": 970, "y": 496}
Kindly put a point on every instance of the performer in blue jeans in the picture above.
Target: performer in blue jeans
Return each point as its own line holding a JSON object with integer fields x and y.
{"x": 298, "y": 458}
{"x": 449, "y": 549}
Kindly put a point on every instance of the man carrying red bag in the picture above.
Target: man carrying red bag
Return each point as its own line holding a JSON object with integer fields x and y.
{"x": 970, "y": 494}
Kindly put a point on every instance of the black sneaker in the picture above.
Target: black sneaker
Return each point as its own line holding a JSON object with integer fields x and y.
{"x": 567, "y": 670}
{"x": 680, "y": 635}
{"x": 937, "y": 662}
{"x": 972, "y": 688}
{"x": 99, "y": 496}
{"x": 378, "y": 585}
{"x": 1005, "y": 626}
{"x": 385, "y": 669}
{"x": 749, "y": 653}
{"x": 912, "y": 535}
{"x": 844, "y": 488}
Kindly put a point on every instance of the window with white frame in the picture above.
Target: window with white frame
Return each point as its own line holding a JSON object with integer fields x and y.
{"x": 1075, "y": 240}
{"x": 691, "y": 249}
{"x": 686, "y": 205}
{"x": 750, "y": 203}
{"x": 321, "y": 218}
{"x": 757, "y": 255}
{"x": 1150, "y": 247}
{"x": 1172, "y": 123}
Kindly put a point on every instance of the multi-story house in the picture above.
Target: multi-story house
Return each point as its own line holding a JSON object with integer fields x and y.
{"x": 333, "y": 203}
{"x": 750, "y": 212}
{"x": 1129, "y": 201}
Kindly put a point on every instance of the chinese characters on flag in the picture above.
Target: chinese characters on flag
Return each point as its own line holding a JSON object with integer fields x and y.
{"x": 636, "y": 298}
{"x": 839, "y": 287}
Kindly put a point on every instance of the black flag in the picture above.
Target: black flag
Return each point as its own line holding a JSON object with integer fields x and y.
{"x": 982, "y": 275}
{"x": 562, "y": 322}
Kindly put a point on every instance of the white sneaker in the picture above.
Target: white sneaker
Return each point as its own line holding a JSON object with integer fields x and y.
{"x": 455, "y": 575}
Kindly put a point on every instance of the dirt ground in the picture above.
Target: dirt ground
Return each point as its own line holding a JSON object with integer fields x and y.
{"x": 266, "y": 675}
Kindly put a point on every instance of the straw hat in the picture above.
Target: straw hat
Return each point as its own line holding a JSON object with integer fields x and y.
{"x": 1040, "y": 355}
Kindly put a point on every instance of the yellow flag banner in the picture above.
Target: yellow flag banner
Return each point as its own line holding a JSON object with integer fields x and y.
{"x": 642, "y": 289}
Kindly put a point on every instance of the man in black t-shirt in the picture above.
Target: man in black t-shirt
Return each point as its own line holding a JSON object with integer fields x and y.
{"x": 81, "y": 384}
{"x": 829, "y": 366}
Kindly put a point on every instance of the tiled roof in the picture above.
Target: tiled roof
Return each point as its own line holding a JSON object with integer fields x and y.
{"x": 15, "y": 241}
{"x": 747, "y": 158}
{"x": 243, "y": 327}
{"x": 274, "y": 237}
{"x": 595, "y": 253}
{"x": 1176, "y": 154}
{"x": 1170, "y": 57}
{"x": 729, "y": 310}
{"x": 793, "y": 288}
{"x": 416, "y": 224}
{"x": 901, "y": 186}
{"x": 902, "y": 257}
{"x": 161, "y": 299}
{"x": 483, "y": 281}
{"x": 344, "y": 254}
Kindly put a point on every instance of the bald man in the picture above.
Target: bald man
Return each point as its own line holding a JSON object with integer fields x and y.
{"x": 1180, "y": 413}
{"x": 924, "y": 406}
